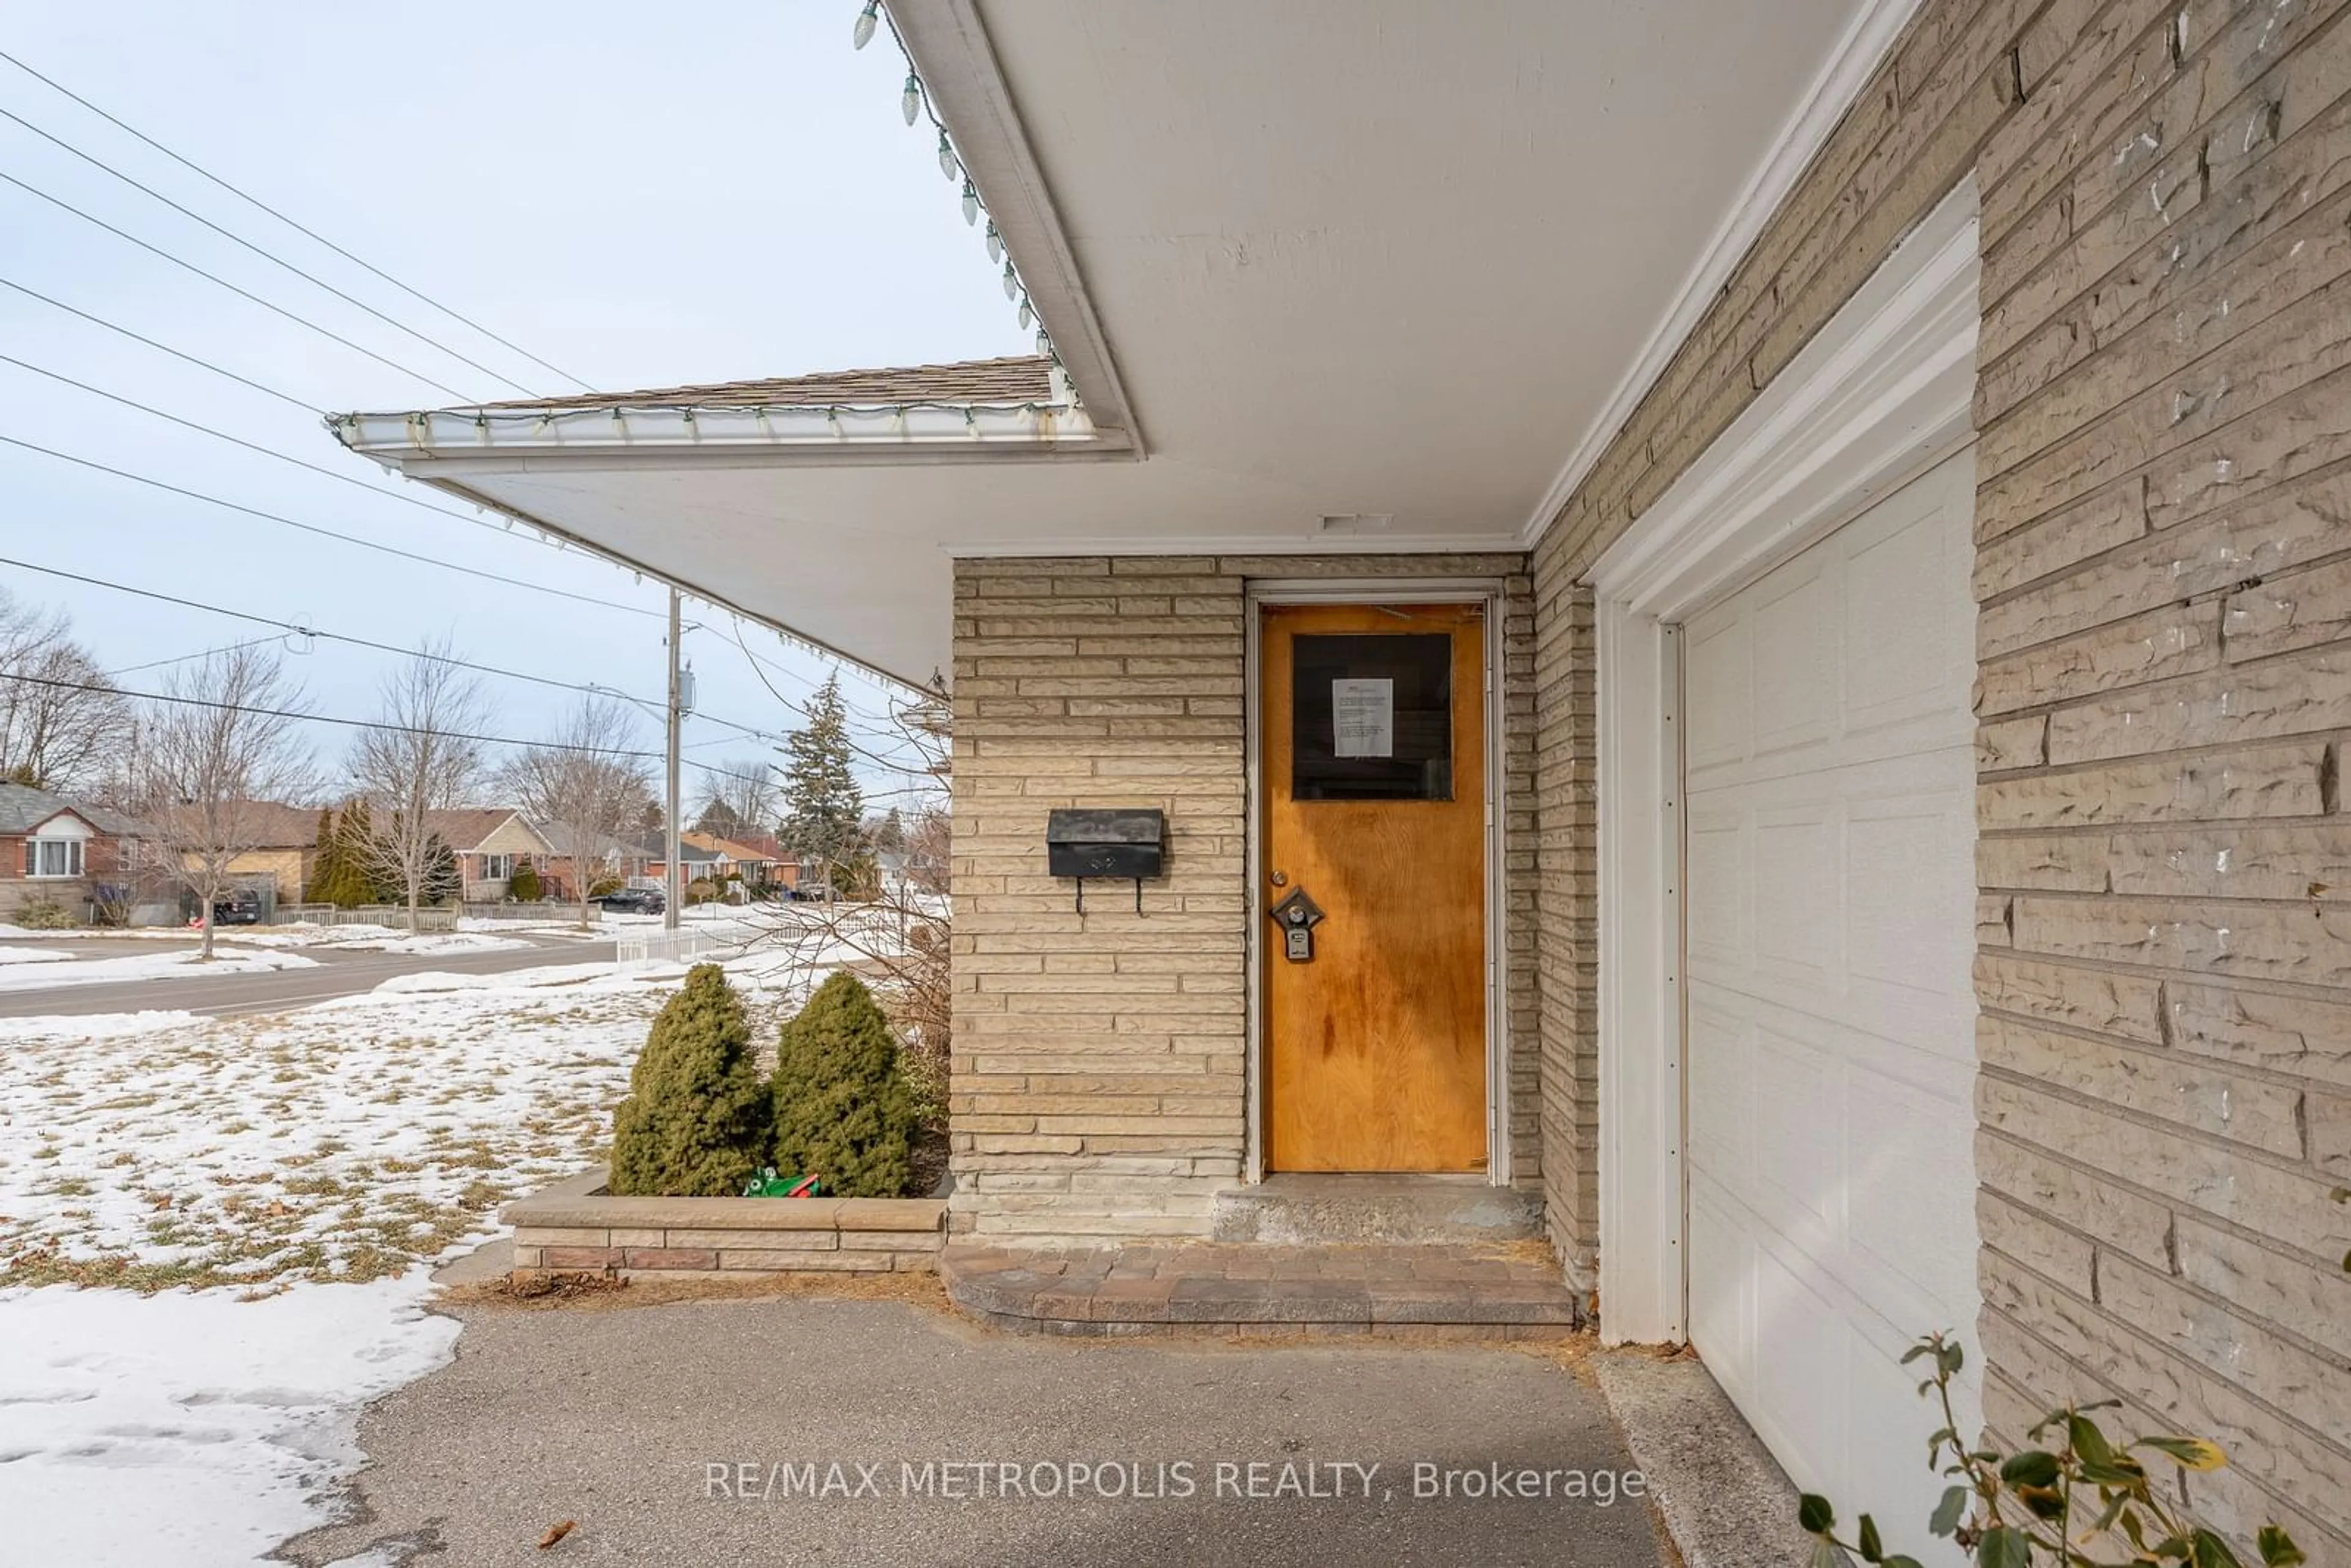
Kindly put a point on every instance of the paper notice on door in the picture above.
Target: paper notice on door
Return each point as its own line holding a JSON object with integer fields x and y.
{"x": 1363, "y": 719}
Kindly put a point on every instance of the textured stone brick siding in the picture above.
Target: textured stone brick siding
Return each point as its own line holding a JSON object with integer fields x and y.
{"x": 2164, "y": 569}
{"x": 1567, "y": 983}
{"x": 1099, "y": 1084}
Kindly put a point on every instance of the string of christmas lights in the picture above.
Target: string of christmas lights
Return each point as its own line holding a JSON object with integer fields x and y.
{"x": 914, "y": 103}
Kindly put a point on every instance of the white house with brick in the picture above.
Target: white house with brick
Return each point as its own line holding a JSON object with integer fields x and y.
{"x": 1772, "y": 585}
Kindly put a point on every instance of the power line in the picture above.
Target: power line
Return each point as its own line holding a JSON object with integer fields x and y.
{"x": 162, "y": 348}
{"x": 297, "y": 628}
{"x": 324, "y": 533}
{"x": 352, "y": 300}
{"x": 890, "y": 764}
{"x": 233, "y": 288}
{"x": 298, "y": 228}
{"x": 253, "y": 446}
{"x": 181, "y": 658}
{"x": 269, "y": 452}
{"x": 299, "y": 715}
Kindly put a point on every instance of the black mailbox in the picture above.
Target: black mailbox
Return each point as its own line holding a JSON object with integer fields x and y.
{"x": 1118, "y": 841}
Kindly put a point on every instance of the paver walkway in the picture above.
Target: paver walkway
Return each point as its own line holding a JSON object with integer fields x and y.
{"x": 1485, "y": 1290}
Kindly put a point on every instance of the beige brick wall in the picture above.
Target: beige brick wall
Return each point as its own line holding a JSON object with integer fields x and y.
{"x": 1099, "y": 1084}
{"x": 1567, "y": 975}
{"x": 2164, "y": 567}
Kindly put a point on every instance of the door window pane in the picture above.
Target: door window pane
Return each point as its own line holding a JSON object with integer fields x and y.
{"x": 1372, "y": 716}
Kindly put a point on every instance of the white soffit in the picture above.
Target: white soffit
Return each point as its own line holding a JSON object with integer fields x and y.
{"x": 1371, "y": 260}
{"x": 1383, "y": 256}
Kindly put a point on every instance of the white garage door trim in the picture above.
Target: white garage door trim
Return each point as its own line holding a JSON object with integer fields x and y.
{"x": 1879, "y": 396}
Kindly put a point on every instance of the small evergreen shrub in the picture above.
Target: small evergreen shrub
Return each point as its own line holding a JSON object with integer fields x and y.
{"x": 842, "y": 1112}
{"x": 44, "y": 915}
{"x": 696, "y": 1121}
{"x": 524, "y": 886}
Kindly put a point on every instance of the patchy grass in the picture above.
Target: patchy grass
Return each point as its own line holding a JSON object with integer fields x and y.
{"x": 316, "y": 1146}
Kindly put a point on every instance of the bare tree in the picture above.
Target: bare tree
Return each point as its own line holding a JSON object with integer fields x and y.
{"x": 62, "y": 722}
{"x": 420, "y": 759}
{"x": 219, "y": 748}
{"x": 581, "y": 788}
{"x": 738, "y": 796}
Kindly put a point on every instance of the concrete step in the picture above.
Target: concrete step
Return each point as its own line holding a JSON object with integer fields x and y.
{"x": 1494, "y": 1291}
{"x": 1306, "y": 1210}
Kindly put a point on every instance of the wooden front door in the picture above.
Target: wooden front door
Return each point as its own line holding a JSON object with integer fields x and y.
{"x": 1374, "y": 745}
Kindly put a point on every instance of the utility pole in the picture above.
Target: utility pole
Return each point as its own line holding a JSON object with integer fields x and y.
{"x": 673, "y": 884}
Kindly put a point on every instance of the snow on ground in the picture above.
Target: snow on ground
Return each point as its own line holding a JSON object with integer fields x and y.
{"x": 92, "y": 1027}
{"x": 34, "y": 956}
{"x": 356, "y": 936}
{"x": 429, "y": 942}
{"x": 312, "y": 1165}
{"x": 187, "y": 966}
{"x": 187, "y": 1427}
{"x": 472, "y": 936}
{"x": 340, "y": 1142}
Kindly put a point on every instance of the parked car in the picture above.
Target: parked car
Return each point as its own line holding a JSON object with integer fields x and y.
{"x": 239, "y": 908}
{"x": 632, "y": 901}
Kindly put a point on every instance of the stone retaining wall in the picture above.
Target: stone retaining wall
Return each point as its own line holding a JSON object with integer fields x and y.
{"x": 577, "y": 1224}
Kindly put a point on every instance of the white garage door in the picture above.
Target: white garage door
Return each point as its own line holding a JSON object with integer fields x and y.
{"x": 1830, "y": 928}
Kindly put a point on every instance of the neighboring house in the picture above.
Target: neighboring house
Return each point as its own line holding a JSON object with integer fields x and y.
{"x": 60, "y": 852}
{"x": 1780, "y": 579}
{"x": 648, "y": 858}
{"x": 285, "y": 847}
{"x": 620, "y": 859}
{"x": 759, "y": 864}
{"x": 489, "y": 842}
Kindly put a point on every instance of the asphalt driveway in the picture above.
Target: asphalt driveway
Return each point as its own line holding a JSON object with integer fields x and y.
{"x": 694, "y": 1434}
{"x": 336, "y": 974}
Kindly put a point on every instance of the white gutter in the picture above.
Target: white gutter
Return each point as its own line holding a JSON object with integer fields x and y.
{"x": 745, "y": 433}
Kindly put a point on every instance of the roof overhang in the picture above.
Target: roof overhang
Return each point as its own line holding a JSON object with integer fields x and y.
{"x": 1373, "y": 276}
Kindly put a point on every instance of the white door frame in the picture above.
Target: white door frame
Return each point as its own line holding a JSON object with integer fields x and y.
{"x": 1880, "y": 395}
{"x": 1491, "y": 592}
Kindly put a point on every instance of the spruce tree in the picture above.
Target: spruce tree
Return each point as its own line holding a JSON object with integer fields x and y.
{"x": 341, "y": 878}
{"x": 842, "y": 1112}
{"x": 322, "y": 858}
{"x": 523, "y": 885}
{"x": 443, "y": 882}
{"x": 824, "y": 809}
{"x": 696, "y": 1121}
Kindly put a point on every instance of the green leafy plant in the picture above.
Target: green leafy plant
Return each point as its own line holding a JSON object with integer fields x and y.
{"x": 696, "y": 1121}
{"x": 2068, "y": 1504}
{"x": 843, "y": 1109}
{"x": 524, "y": 886}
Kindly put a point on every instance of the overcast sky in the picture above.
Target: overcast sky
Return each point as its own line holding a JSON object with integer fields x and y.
{"x": 639, "y": 196}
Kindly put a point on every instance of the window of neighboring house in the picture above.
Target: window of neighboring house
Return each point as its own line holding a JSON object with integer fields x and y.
{"x": 52, "y": 857}
{"x": 497, "y": 868}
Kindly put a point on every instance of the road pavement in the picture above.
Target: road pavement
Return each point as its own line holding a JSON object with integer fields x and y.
{"x": 337, "y": 974}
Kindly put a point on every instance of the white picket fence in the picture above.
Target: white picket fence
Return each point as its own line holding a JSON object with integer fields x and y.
{"x": 665, "y": 947}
